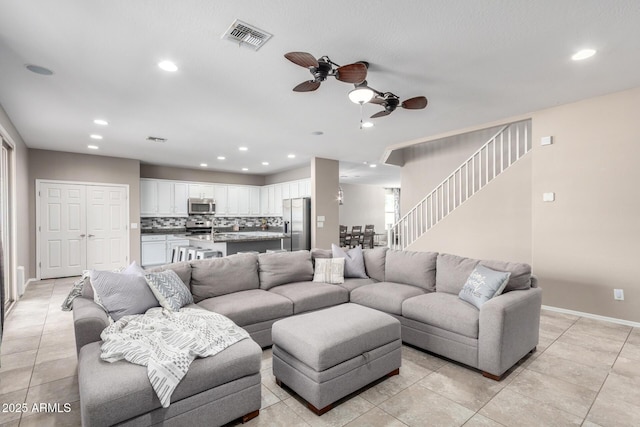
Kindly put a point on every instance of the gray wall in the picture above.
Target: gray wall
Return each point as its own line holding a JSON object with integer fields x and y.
{"x": 62, "y": 166}
{"x": 198, "y": 175}
{"x": 587, "y": 242}
{"x": 363, "y": 204}
{"x": 290, "y": 175}
{"x": 324, "y": 202}
{"x": 21, "y": 153}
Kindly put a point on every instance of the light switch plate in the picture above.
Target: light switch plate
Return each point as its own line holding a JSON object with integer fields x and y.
{"x": 548, "y": 197}
{"x": 320, "y": 218}
{"x": 320, "y": 224}
{"x": 134, "y": 225}
{"x": 546, "y": 140}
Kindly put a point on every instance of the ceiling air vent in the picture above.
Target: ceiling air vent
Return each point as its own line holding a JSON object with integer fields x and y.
{"x": 156, "y": 139}
{"x": 246, "y": 35}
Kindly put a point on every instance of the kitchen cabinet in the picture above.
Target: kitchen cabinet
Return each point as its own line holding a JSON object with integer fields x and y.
{"x": 277, "y": 198}
{"x": 154, "y": 250}
{"x": 294, "y": 190}
{"x": 201, "y": 191}
{"x": 305, "y": 185}
{"x": 159, "y": 197}
{"x": 238, "y": 200}
{"x": 264, "y": 200}
{"x": 220, "y": 196}
{"x": 254, "y": 201}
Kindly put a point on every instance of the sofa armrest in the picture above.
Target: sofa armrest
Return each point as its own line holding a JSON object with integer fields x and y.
{"x": 508, "y": 329}
{"x": 89, "y": 320}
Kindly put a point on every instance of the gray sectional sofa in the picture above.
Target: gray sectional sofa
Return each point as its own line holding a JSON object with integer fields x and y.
{"x": 420, "y": 289}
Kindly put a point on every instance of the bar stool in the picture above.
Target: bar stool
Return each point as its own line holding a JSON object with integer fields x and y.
{"x": 183, "y": 251}
{"x": 191, "y": 252}
{"x": 206, "y": 254}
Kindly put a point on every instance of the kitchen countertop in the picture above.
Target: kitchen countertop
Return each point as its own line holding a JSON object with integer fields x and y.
{"x": 163, "y": 231}
{"x": 250, "y": 236}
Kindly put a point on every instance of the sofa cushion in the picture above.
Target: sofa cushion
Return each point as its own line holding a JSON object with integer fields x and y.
{"x": 411, "y": 268}
{"x": 374, "y": 260}
{"x": 116, "y": 392}
{"x": 353, "y": 261}
{"x": 307, "y": 296}
{"x": 182, "y": 269}
{"x": 453, "y": 271}
{"x": 220, "y": 276}
{"x": 352, "y": 283}
{"x": 385, "y": 296}
{"x": 249, "y": 307}
{"x": 482, "y": 285}
{"x": 284, "y": 267}
{"x": 445, "y": 311}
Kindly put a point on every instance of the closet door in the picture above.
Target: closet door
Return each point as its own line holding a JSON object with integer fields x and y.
{"x": 63, "y": 237}
{"x": 81, "y": 227}
{"x": 106, "y": 227}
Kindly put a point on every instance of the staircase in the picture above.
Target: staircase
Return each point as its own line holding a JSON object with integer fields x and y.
{"x": 502, "y": 150}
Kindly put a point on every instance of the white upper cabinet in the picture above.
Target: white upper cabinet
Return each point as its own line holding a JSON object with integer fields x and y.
{"x": 220, "y": 196}
{"x": 159, "y": 197}
{"x": 254, "y": 201}
{"x": 201, "y": 191}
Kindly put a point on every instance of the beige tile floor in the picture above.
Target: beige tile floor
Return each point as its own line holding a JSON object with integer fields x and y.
{"x": 584, "y": 372}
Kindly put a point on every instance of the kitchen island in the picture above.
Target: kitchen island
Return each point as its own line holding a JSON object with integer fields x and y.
{"x": 232, "y": 243}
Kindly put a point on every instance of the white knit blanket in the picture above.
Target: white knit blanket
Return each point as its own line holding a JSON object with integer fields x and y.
{"x": 167, "y": 342}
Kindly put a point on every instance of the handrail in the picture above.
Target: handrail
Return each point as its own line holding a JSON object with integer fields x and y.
{"x": 466, "y": 180}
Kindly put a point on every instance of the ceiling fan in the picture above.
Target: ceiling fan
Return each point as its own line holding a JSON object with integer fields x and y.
{"x": 324, "y": 67}
{"x": 390, "y": 102}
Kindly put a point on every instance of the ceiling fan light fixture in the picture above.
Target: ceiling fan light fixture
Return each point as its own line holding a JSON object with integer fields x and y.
{"x": 361, "y": 95}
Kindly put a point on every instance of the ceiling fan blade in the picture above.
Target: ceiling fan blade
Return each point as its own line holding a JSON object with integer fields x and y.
{"x": 302, "y": 59}
{"x": 376, "y": 100}
{"x": 307, "y": 86}
{"x": 380, "y": 114}
{"x": 352, "y": 73}
{"x": 416, "y": 103}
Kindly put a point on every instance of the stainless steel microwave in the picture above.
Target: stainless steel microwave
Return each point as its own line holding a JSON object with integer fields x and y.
{"x": 202, "y": 206}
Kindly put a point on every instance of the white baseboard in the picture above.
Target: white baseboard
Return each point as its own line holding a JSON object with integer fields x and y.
{"x": 592, "y": 316}
{"x": 28, "y": 282}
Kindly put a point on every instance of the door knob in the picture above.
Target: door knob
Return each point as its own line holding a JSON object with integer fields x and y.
{"x": 83, "y": 235}
{"x": 91, "y": 235}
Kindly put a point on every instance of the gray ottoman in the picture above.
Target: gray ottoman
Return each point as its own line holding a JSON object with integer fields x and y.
{"x": 328, "y": 354}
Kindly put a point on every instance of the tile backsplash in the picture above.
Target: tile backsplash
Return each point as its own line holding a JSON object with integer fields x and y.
{"x": 170, "y": 222}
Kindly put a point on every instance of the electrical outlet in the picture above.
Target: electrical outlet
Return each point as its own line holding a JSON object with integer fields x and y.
{"x": 618, "y": 294}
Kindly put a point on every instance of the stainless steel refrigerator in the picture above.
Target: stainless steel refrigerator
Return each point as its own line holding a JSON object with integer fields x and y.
{"x": 296, "y": 215}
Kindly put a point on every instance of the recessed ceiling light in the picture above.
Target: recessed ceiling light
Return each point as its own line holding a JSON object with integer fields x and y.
{"x": 94, "y": 136}
{"x": 39, "y": 70}
{"x": 242, "y": 148}
{"x": 168, "y": 66}
{"x": 204, "y": 165}
{"x": 291, "y": 156}
{"x": 367, "y": 124}
{"x": 265, "y": 163}
{"x": 221, "y": 157}
{"x": 583, "y": 54}
{"x": 101, "y": 122}
{"x": 92, "y": 147}
{"x": 245, "y": 169}
{"x": 373, "y": 165}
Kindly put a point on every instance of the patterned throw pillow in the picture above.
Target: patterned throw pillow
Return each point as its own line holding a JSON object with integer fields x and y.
{"x": 329, "y": 270}
{"x": 76, "y": 291}
{"x": 482, "y": 285}
{"x": 170, "y": 291}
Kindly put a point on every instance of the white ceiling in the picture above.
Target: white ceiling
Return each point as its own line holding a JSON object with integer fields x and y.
{"x": 476, "y": 61}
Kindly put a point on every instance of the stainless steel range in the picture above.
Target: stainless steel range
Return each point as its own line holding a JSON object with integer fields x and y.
{"x": 199, "y": 227}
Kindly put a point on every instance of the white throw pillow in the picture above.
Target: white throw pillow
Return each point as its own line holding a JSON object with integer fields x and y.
{"x": 329, "y": 270}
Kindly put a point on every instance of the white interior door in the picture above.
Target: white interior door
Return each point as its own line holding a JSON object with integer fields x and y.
{"x": 106, "y": 227}
{"x": 81, "y": 226}
{"x": 63, "y": 242}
